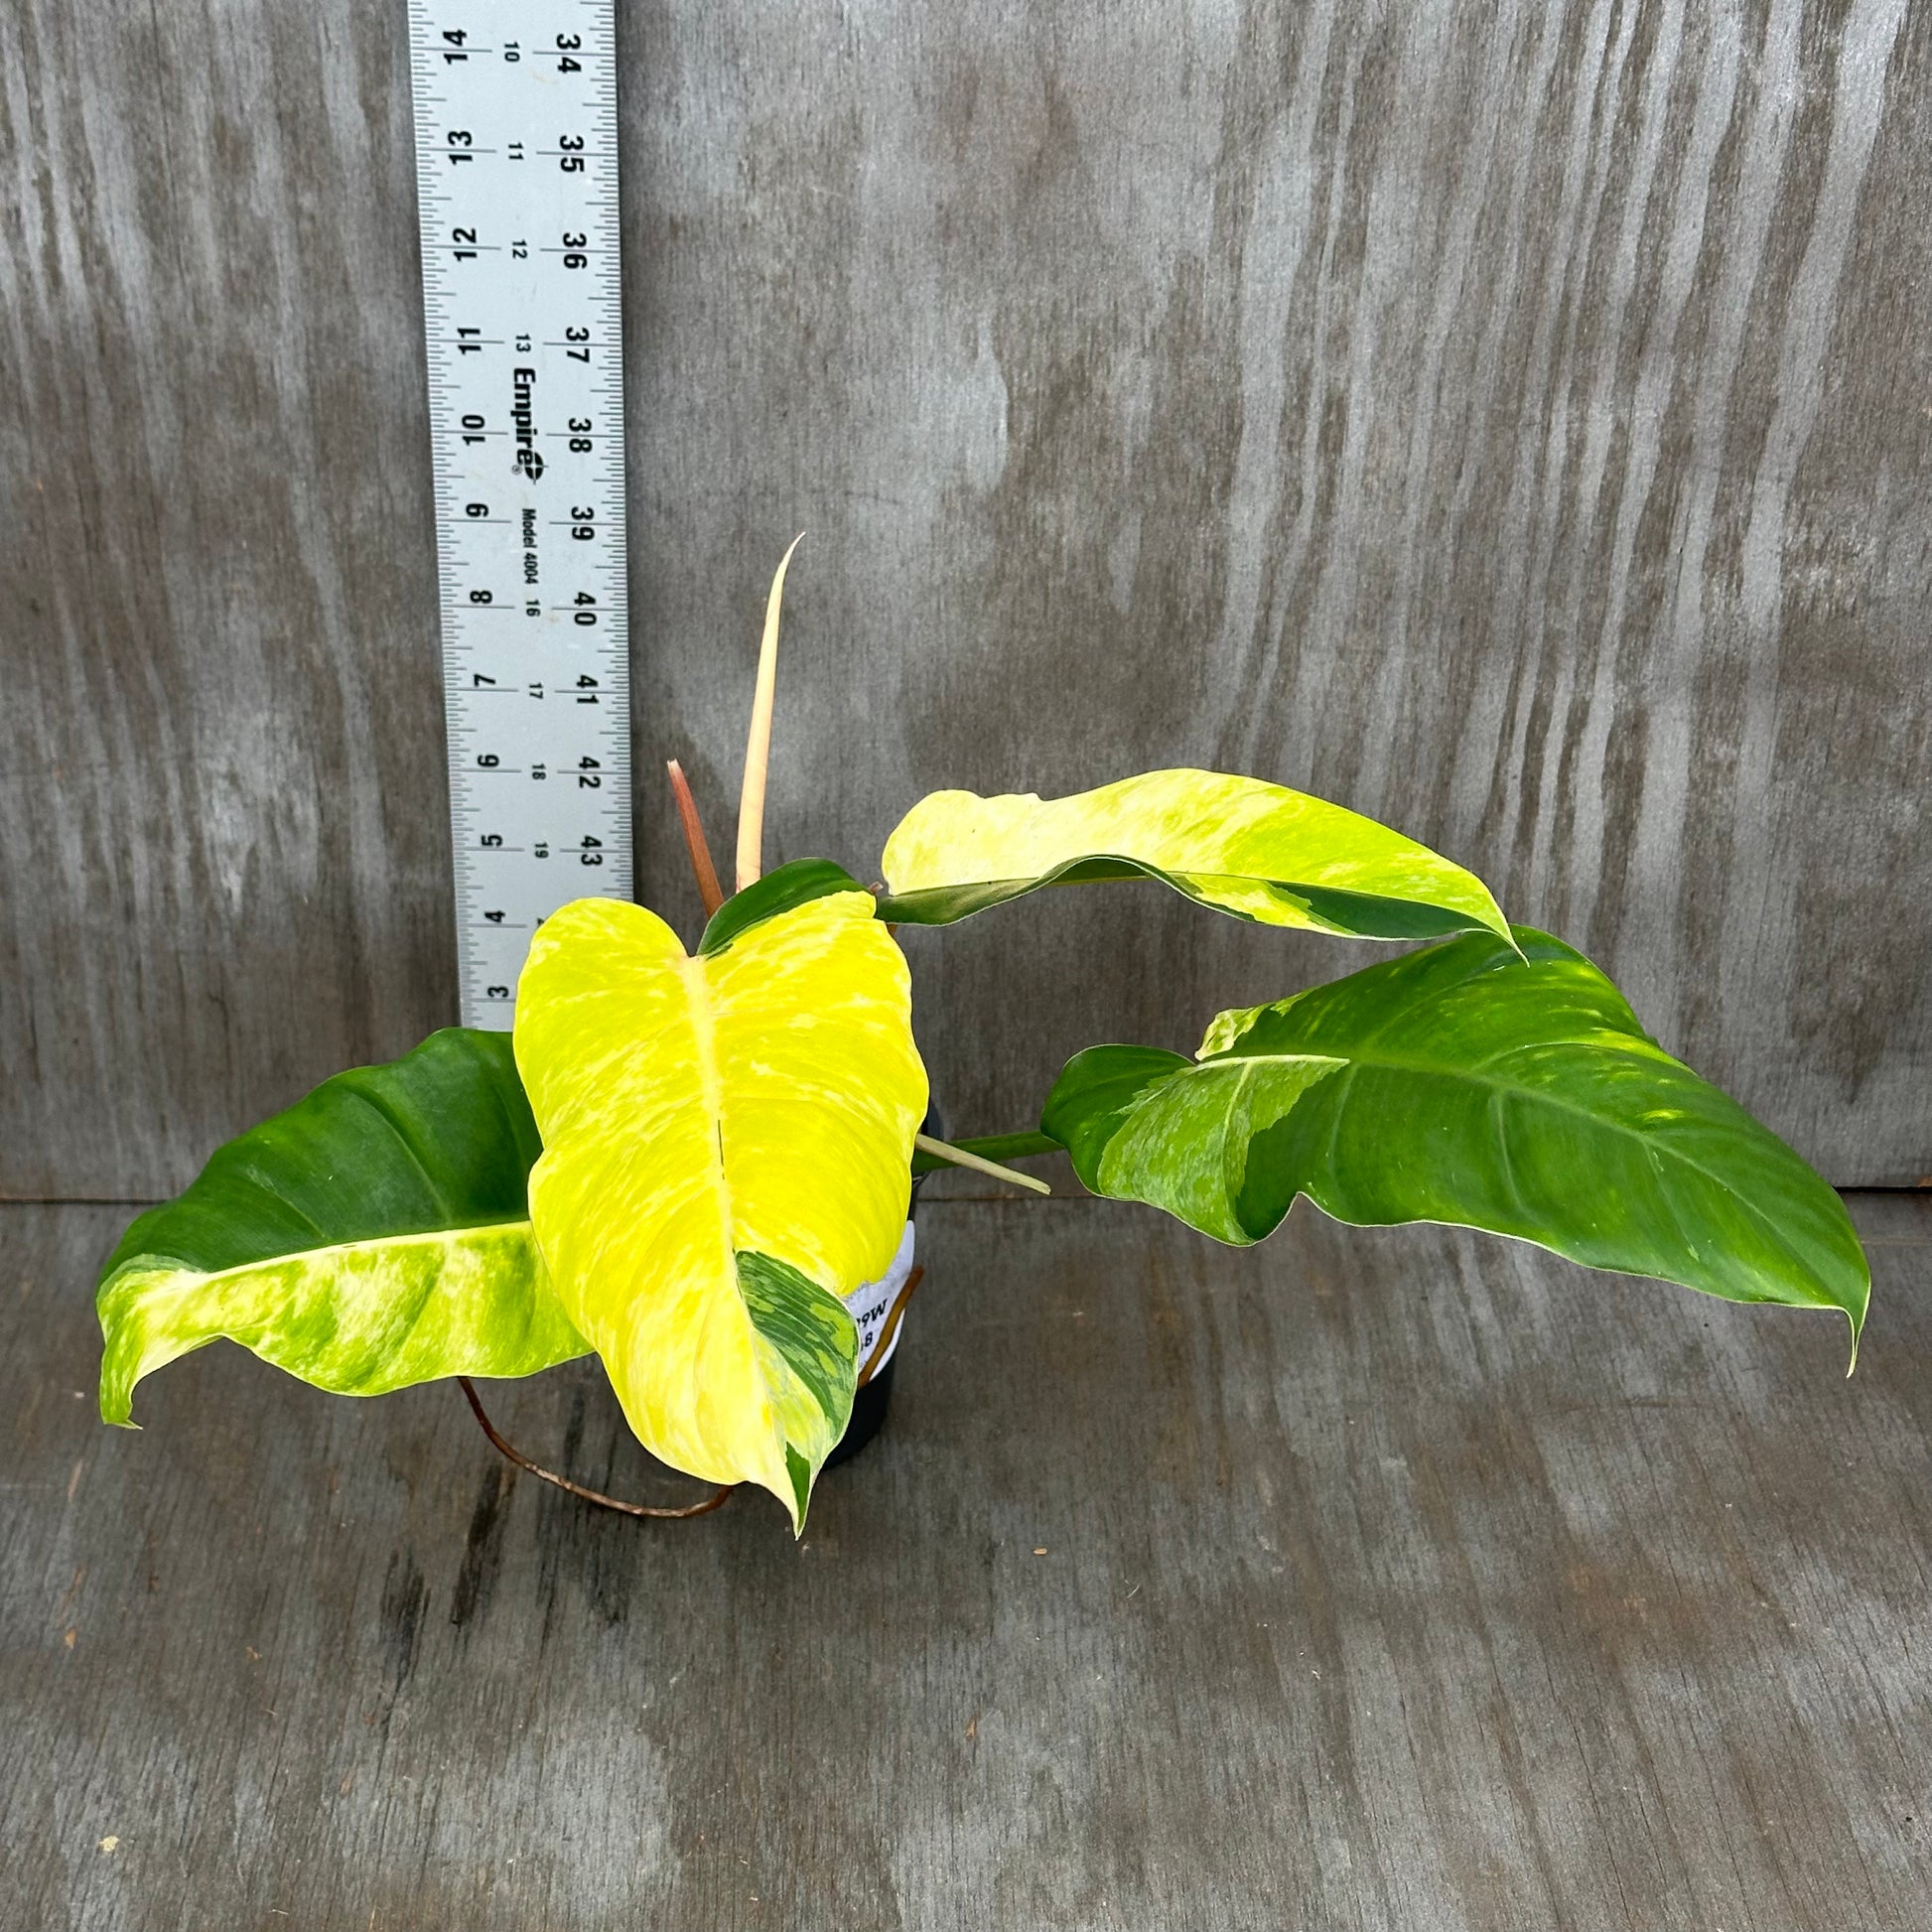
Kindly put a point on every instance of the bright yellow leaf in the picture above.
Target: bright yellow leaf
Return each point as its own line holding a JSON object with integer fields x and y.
{"x": 727, "y": 1143}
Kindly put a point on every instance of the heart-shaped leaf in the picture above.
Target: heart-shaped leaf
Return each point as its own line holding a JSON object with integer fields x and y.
{"x": 726, "y": 1142}
{"x": 1257, "y": 850}
{"x": 374, "y": 1235}
{"x": 1470, "y": 1085}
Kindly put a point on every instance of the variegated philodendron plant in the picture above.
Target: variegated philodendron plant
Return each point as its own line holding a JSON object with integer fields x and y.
{"x": 688, "y": 1162}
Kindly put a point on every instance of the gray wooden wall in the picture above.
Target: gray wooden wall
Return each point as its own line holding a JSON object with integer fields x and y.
{"x": 1514, "y": 420}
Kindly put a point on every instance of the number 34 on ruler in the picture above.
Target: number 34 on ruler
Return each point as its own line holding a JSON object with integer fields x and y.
{"x": 516, "y": 158}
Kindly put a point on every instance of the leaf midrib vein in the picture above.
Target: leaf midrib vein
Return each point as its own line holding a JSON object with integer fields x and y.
{"x": 1535, "y": 1096}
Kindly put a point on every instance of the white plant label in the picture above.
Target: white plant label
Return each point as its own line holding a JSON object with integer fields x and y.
{"x": 517, "y": 160}
{"x": 871, "y": 1304}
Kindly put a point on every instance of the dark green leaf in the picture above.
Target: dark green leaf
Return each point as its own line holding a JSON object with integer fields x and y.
{"x": 788, "y": 885}
{"x": 1466, "y": 1084}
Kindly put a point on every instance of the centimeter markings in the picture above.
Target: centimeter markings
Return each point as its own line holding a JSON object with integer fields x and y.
{"x": 516, "y": 165}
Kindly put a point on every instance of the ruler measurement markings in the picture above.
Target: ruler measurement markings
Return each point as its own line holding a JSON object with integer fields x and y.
{"x": 516, "y": 142}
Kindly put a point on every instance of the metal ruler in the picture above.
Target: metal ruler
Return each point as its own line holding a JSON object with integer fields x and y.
{"x": 516, "y": 162}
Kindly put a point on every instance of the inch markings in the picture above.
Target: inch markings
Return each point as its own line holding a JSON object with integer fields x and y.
{"x": 516, "y": 167}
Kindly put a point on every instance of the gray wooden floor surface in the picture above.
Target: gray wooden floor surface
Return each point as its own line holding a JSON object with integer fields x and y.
{"x": 1364, "y": 1581}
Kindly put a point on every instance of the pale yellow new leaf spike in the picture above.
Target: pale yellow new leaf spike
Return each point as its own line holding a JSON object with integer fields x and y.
{"x": 758, "y": 745}
{"x": 693, "y": 1110}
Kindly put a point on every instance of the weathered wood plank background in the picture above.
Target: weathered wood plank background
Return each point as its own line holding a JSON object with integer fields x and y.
{"x": 1398, "y": 1581}
{"x": 1514, "y": 420}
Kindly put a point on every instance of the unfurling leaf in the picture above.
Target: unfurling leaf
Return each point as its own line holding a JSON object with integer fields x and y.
{"x": 726, "y": 1142}
{"x": 791, "y": 884}
{"x": 1257, "y": 850}
{"x": 1470, "y": 1085}
{"x": 374, "y": 1235}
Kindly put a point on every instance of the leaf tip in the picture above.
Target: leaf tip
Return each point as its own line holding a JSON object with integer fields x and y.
{"x": 120, "y": 1356}
{"x": 800, "y": 1472}
{"x": 1857, "y": 1308}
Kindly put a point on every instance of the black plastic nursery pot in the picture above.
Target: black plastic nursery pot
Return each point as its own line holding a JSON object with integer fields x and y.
{"x": 869, "y": 1408}
{"x": 874, "y": 1398}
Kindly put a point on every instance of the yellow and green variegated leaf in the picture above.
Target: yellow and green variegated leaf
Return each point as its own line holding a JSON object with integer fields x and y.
{"x": 1257, "y": 850}
{"x": 727, "y": 1143}
{"x": 1475, "y": 1083}
{"x": 374, "y": 1235}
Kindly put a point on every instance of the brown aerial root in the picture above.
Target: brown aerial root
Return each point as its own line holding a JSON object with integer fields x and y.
{"x": 662, "y": 1512}
{"x": 658, "y": 1511}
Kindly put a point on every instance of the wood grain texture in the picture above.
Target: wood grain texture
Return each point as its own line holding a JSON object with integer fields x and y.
{"x": 225, "y": 870}
{"x": 1514, "y": 421}
{"x": 1405, "y": 1582}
